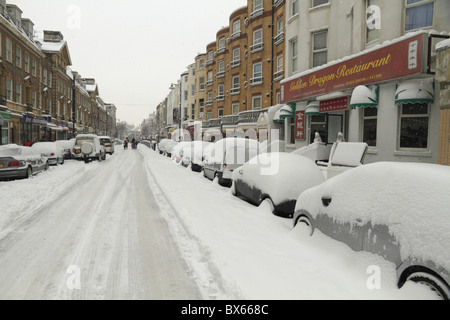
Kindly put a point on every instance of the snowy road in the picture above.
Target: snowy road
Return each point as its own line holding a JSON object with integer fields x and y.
{"x": 102, "y": 238}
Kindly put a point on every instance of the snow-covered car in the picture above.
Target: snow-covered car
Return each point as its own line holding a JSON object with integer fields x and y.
{"x": 178, "y": 150}
{"x": 88, "y": 147}
{"x": 147, "y": 143}
{"x": 227, "y": 155}
{"x": 162, "y": 144}
{"x": 168, "y": 148}
{"x": 20, "y": 162}
{"x": 193, "y": 155}
{"x": 51, "y": 150}
{"x": 67, "y": 145}
{"x": 273, "y": 146}
{"x": 399, "y": 211}
{"x": 278, "y": 178}
{"x": 106, "y": 142}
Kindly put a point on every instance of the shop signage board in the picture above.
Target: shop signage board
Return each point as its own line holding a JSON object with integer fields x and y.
{"x": 399, "y": 59}
{"x": 300, "y": 125}
{"x": 334, "y": 105}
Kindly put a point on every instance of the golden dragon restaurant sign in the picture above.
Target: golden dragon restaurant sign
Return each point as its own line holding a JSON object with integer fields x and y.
{"x": 399, "y": 59}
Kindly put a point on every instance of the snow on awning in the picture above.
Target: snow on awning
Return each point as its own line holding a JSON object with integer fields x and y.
{"x": 286, "y": 111}
{"x": 313, "y": 108}
{"x": 365, "y": 97}
{"x": 415, "y": 91}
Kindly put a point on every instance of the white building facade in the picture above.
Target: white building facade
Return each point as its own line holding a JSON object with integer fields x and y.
{"x": 364, "y": 69}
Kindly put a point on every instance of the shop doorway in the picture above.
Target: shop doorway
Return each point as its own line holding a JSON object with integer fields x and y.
{"x": 328, "y": 125}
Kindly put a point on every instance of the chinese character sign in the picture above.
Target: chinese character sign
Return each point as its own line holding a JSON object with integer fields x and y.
{"x": 300, "y": 125}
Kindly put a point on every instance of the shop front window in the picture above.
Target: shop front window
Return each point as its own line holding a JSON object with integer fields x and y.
{"x": 318, "y": 124}
{"x": 370, "y": 126}
{"x": 414, "y": 126}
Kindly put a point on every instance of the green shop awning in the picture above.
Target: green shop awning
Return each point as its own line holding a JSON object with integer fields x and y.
{"x": 313, "y": 108}
{"x": 415, "y": 91}
{"x": 286, "y": 111}
{"x": 364, "y": 97}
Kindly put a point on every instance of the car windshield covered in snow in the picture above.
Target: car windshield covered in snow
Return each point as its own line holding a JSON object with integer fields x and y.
{"x": 10, "y": 152}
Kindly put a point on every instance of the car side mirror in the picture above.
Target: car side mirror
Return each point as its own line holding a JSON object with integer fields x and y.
{"x": 326, "y": 201}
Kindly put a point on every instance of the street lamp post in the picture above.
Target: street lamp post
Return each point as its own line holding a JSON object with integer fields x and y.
{"x": 74, "y": 92}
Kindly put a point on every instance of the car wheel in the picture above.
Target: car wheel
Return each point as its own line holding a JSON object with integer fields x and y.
{"x": 267, "y": 203}
{"x": 304, "y": 225}
{"x": 233, "y": 189}
{"x": 29, "y": 173}
{"x": 434, "y": 282}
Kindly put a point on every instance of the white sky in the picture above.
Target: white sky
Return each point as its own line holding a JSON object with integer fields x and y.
{"x": 134, "y": 49}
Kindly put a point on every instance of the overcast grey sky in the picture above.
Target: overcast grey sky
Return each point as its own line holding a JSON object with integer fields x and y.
{"x": 134, "y": 49}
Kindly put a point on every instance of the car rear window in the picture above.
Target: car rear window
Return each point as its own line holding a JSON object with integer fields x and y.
{"x": 80, "y": 141}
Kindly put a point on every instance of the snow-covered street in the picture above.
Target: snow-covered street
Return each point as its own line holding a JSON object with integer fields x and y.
{"x": 102, "y": 224}
{"x": 138, "y": 226}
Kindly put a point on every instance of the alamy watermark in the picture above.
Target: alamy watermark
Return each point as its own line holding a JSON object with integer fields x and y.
{"x": 374, "y": 280}
{"x": 73, "y": 17}
{"x": 73, "y": 281}
{"x": 373, "y": 17}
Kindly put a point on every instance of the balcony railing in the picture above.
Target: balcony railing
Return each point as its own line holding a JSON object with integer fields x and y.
{"x": 257, "y": 47}
{"x": 235, "y": 63}
{"x": 257, "y": 13}
{"x": 235, "y": 91}
{"x": 256, "y": 81}
{"x": 230, "y": 120}
{"x": 251, "y": 116}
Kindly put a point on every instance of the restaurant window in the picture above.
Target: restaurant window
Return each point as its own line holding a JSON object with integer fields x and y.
{"x": 320, "y": 50}
{"x": 316, "y": 3}
{"x": 318, "y": 124}
{"x": 414, "y": 125}
{"x": 372, "y": 29}
{"x": 370, "y": 121}
{"x": 419, "y": 14}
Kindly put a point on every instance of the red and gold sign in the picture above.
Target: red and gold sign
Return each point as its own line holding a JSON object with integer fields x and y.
{"x": 397, "y": 60}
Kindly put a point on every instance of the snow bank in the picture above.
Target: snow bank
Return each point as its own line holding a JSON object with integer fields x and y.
{"x": 412, "y": 199}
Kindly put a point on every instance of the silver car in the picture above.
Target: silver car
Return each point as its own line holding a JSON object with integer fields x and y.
{"x": 107, "y": 143}
{"x": 20, "y": 162}
{"x": 399, "y": 211}
{"x": 51, "y": 150}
